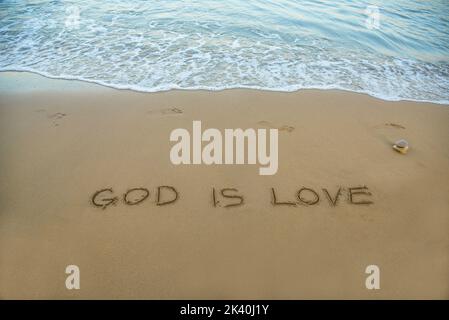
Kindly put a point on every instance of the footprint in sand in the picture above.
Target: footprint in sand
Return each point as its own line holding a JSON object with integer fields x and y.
{"x": 383, "y": 132}
{"x": 394, "y": 125}
{"x": 166, "y": 111}
{"x": 280, "y": 128}
{"x": 55, "y": 117}
{"x": 389, "y": 125}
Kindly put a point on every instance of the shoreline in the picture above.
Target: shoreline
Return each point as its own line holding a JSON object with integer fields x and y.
{"x": 61, "y": 142}
{"x": 30, "y": 74}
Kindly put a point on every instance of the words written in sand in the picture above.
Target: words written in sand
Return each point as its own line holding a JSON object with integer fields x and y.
{"x": 233, "y": 197}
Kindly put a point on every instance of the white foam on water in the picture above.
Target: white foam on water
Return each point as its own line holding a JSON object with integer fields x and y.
{"x": 146, "y": 48}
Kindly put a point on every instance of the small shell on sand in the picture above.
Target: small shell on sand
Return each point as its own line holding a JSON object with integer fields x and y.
{"x": 401, "y": 146}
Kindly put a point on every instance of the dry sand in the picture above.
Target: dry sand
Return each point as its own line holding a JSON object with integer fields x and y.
{"x": 61, "y": 142}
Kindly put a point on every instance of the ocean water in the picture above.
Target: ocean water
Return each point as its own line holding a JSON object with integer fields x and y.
{"x": 393, "y": 50}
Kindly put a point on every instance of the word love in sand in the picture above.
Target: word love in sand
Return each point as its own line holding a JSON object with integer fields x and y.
{"x": 212, "y": 153}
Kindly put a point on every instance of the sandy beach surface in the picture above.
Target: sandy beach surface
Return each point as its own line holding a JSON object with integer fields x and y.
{"x": 61, "y": 141}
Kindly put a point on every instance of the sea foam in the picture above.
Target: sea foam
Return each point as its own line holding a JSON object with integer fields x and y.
{"x": 267, "y": 45}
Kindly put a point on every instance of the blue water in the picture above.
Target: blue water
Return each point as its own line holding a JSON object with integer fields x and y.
{"x": 280, "y": 45}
